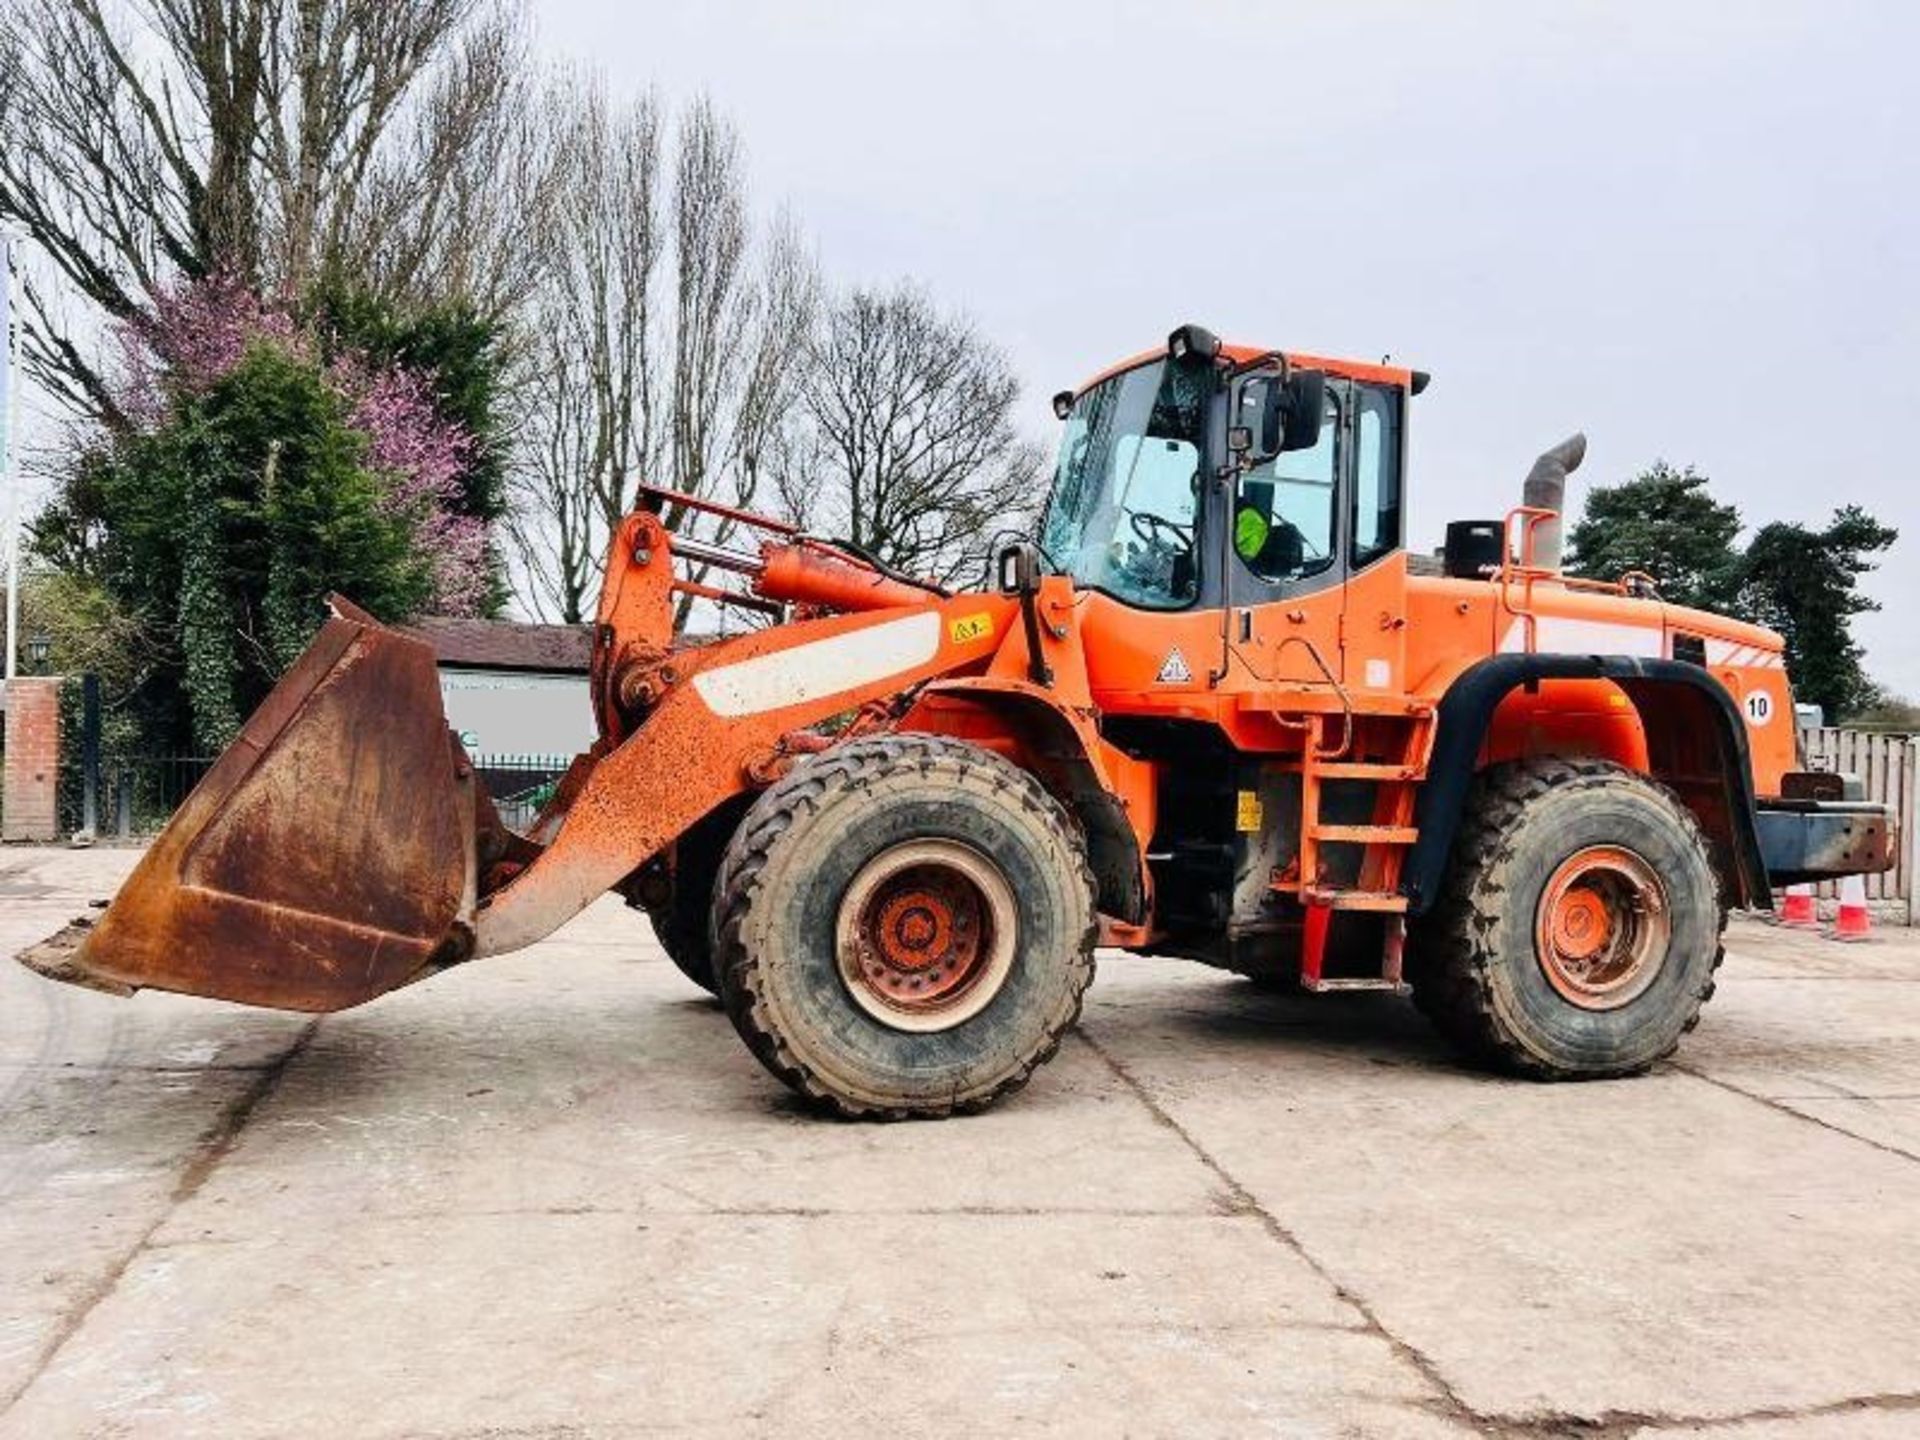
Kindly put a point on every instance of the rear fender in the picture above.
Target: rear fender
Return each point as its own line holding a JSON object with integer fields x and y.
{"x": 1108, "y": 791}
{"x": 1696, "y": 744}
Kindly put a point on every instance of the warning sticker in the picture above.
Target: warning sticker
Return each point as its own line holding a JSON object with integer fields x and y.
{"x": 1246, "y": 812}
{"x": 971, "y": 627}
{"x": 1173, "y": 669}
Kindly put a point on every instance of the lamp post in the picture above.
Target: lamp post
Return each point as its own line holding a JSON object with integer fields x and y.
{"x": 39, "y": 647}
{"x": 9, "y": 422}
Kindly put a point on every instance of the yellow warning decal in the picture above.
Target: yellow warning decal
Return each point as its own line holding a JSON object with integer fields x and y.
{"x": 1246, "y": 812}
{"x": 971, "y": 627}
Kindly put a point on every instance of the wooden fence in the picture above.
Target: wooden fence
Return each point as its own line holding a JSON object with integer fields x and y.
{"x": 1888, "y": 765}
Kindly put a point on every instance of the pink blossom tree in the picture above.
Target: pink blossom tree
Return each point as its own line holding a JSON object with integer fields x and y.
{"x": 198, "y": 333}
{"x": 194, "y": 337}
{"x": 423, "y": 456}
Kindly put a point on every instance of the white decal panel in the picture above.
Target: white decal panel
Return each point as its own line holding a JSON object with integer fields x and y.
{"x": 1750, "y": 657}
{"x": 820, "y": 668}
{"x": 1566, "y": 635}
{"x": 1569, "y": 635}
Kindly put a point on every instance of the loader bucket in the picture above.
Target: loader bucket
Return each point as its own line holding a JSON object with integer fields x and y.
{"x": 326, "y": 858}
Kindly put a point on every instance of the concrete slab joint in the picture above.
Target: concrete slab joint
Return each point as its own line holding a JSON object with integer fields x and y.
{"x": 495, "y": 1205}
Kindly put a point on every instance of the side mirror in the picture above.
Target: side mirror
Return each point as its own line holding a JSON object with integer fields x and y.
{"x": 1274, "y": 425}
{"x": 1019, "y": 572}
{"x": 1303, "y": 401}
{"x": 1018, "y": 568}
{"x": 1278, "y": 411}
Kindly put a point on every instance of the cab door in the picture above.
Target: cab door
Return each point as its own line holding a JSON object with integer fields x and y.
{"x": 1375, "y": 604}
{"x": 1285, "y": 586}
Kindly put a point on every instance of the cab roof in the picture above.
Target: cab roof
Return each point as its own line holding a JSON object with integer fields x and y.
{"x": 1241, "y": 354}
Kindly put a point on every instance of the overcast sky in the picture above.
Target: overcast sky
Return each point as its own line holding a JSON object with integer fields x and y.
{"x": 1688, "y": 229}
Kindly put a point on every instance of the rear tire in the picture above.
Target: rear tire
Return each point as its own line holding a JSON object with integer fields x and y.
{"x": 905, "y": 927}
{"x": 683, "y": 923}
{"x": 685, "y": 942}
{"x": 1581, "y": 926}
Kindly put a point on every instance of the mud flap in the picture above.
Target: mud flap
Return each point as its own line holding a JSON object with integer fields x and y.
{"x": 330, "y": 855}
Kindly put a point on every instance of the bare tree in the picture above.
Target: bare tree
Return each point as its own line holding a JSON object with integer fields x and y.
{"x": 710, "y": 233}
{"x": 458, "y": 202}
{"x": 667, "y": 333}
{"x": 913, "y": 454}
{"x": 272, "y": 139}
{"x": 594, "y": 426}
{"x": 555, "y": 520}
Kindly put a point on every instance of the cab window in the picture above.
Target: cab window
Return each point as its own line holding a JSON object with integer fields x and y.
{"x": 1283, "y": 520}
{"x": 1376, "y": 478}
{"x": 1125, "y": 495}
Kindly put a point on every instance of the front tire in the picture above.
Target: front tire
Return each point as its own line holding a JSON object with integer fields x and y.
{"x": 905, "y": 927}
{"x": 1581, "y": 926}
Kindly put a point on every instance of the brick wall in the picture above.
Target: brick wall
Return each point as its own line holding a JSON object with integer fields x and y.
{"x": 33, "y": 759}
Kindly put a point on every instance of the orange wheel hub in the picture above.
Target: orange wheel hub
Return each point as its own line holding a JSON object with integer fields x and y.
{"x": 1602, "y": 927}
{"x": 925, "y": 935}
{"x": 919, "y": 933}
{"x": 1580, "y": 924}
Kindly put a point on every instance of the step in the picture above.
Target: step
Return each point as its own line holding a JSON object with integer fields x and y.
{"x": 1366, "y": 834}
{"x": 1355, "y": 982}
{"x": 1365, "y": 770}
{"x": 1386, "y": 901}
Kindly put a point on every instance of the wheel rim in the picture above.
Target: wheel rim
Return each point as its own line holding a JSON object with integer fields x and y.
{"x": 1602, "y": 928}
{"x": 925, "y": 935}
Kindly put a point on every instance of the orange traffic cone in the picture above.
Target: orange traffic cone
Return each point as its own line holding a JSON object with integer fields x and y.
{"x": 1796, "y": 910}
{"x": 1852, "y": 923}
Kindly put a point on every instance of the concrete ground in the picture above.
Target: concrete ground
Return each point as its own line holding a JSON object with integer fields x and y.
{"x": 553, "y": 1196}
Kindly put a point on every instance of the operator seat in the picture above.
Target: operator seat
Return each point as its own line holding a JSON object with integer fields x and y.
{"x": 1284, "y": 552}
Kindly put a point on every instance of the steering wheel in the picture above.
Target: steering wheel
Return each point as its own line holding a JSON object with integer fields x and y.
{"x": 1151, "y": 528}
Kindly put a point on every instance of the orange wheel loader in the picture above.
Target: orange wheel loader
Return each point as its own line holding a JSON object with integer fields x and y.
{"x": 1213, "y": 709}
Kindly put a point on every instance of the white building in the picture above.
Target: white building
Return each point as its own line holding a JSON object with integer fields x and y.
{"x": 513, "y": 689}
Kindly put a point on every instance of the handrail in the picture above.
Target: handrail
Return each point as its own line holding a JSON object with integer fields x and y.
{"x": 1530, "y": 517}
{"x": 663, "y": 496}
{"x": 1346, "y": 700}
{"x": 1633, "y": 585}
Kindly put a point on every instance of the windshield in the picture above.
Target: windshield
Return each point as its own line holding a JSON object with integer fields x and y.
{"x": 1127, "y": 486}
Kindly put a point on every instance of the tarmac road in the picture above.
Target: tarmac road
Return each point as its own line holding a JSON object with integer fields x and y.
{"x": 552, "y": 1195}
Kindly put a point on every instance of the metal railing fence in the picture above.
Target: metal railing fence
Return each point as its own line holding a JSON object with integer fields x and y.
{"x": 139, "y": 793}
{"x": 520, "y": 784}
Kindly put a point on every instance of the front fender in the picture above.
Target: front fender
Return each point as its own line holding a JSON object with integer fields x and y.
{"x": 1108, "y": 791}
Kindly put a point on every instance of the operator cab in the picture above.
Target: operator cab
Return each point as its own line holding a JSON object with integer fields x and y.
{"x": 1208, "y": 476}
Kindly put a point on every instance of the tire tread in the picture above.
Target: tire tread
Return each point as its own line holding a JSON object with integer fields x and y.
{"x": 1454, "y": 950}
{"x": 808, "y": 789}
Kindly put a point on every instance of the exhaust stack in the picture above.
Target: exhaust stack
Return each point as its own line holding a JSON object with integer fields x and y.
{"x": 1546, "y": 489}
